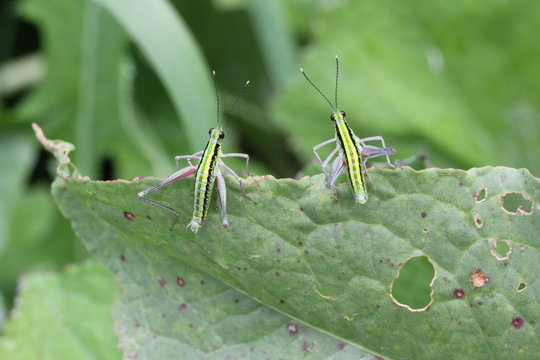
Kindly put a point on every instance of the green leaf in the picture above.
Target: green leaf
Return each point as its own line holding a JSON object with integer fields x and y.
{"x": 40, "y": 238}
{"x": 16, "y": 161}
{"x": 80, "y": 95}
{"x": 274, "y": 39}
{"x": 171, "y": 311}
{"x": 2, "y": 312}
{"x": 299, "y": 240}
{"x": 168, "y": 45}
{"x": 63, "y": 316}
{"x": 454, "y": 80}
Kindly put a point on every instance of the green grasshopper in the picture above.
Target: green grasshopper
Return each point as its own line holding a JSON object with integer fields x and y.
{"x": 207, "y": 171}
{"x": 353, "y": 152}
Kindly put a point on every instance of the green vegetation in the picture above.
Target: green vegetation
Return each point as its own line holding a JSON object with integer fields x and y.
{"x": 304, "y": 273}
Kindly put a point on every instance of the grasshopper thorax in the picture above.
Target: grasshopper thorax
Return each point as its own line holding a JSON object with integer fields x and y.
{"x": 338, "y": 115}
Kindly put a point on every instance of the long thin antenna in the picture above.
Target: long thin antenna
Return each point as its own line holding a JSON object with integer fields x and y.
{"x": 236, "y": 100}
{"x": 337, "y": 76}
{"x": 316, "y": 88}
{"x": 217, "y": 96}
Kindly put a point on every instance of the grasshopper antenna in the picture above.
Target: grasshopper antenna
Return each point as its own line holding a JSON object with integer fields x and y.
{"x": 316, "y": 88}
{"x": 242, "y": 92}
{"x": 337, "y": 76}
{"x": 217, "y": 96}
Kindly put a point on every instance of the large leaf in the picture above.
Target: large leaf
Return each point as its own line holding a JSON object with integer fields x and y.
{"x": 63, "y": 316}
{"x": 454, "y": 79}
{"x": 148, "y": 324}
{"x": 331, "y": 264}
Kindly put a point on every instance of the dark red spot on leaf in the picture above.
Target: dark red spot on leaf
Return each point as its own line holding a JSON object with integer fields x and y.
{"x": 183, "y": 306}
{"x": 459, "y": 293}
{"x": 423, "y": 215}
{"x": 162, "y": 282}
{"x": 122, "y": 257}
{"x": 180, "y": 281}
{"x": 278, "y": 273}
{"x": 340, "y": 346}
{"x": 202, "y": 282}
{"x": 278, "y": 250}
{"x": 282, "y": 301}
{"x": 305, "y": 346}
{"x": 301, "y": 209}
{"x": 236, "y": 301}
{"x": 517, "y": 322}
{"x": 129, "y": 215}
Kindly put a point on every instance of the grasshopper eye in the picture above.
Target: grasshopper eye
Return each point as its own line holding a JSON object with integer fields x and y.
{"x": 221, "y": 135}
{"x": 210, "y": 131}
{"x": 343, "y": 113}
{"x": 332, "y": 117}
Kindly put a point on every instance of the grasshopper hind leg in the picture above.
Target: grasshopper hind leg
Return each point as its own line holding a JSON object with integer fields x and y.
{"x": 177, "y": 175}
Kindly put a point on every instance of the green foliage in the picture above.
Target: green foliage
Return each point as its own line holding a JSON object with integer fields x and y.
{"x": 130, "y": 84}
{"x": 455, "y": 80}
{"x": 328, "y": 262}
{"x": 63, "y": 316}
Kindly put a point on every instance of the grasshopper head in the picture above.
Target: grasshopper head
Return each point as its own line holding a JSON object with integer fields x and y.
{"x": 338, "y": 115}
{"x": 216, "y": 133}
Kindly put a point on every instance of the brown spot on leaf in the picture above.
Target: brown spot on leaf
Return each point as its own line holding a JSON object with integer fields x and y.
{"x": 459, "y": 293}
{"x": 479, "y": 279}
{"x": 478, "y": 222}
{"x": 129, "y": 215}
{"x": 122, "y": 257}
{"x": 292, "y": 328}
{"x": 423, "y": 215}
{"x": 180, "y": 281}
{"x": 162, "y": 282}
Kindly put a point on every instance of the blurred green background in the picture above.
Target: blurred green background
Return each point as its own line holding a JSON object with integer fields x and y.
{"x": 129, "y": 83}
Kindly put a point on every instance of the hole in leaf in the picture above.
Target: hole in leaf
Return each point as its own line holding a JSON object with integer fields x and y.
{"x": 514, "y": 203}
{"x": 479, "y": 279}
{"x": 323, "y": 292}
{"x": 501, "y": 249}
{"x": 522, "y": 286}
{"x": 480, "y": 195}
{"x": 413, "y": 287}
{"x": 478, "y": 222}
